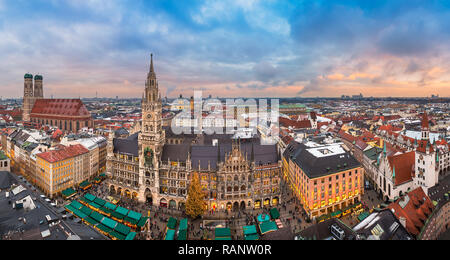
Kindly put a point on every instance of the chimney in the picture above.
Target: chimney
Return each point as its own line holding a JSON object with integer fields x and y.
{"x": 402, "y": 221}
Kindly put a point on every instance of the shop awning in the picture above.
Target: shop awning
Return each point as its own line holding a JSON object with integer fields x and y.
{"x": 117, "y": 215}
{"x": 95, "y": 205}
{"x": 134, "y": 215}
{"x": 268, "y": 226}
{"x": 274, "y": 213}
{"x": 183, "y": 224}
{"x": 130, "y": 236}
{"x": 86, "y": 210}
{"x": 85, "y": 184}
{"x": 142, "y": 222}
{"x": 249, "y": 230}
{"x": 91, "y": 221}
{"x": 263, "y": 218}
{"x": 170, "y": 234}
{"x": 89, "y": 197}
{"x": 67, "y": 193}
{"x": 103, "y": 228}
{"x": 336, "y": 213}
{"x": 122, "y": 211}
{"x": 109, "y": 222}
{"x": 99, "y": 201}
{"x": 222, "y": 232}
{"x": 222, "y": 238}
{"x": 252, "y": 237}
{"x": 363, "y": 215}
{"x": 117, "y": 235}
{"x": 97, "y": 216}
{"x": 172, "y": 223}
{"x": 182, "y": 235}
{"x": 121, "y": 228}
{"x": 110, "y": 206}
{"x": 75, "y": 204}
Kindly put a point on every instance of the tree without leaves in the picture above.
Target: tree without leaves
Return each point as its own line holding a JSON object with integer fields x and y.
{"x": 195, "y": 203}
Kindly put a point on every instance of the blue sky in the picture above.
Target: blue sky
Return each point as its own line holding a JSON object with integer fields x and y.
{"x": 227, "y": 48}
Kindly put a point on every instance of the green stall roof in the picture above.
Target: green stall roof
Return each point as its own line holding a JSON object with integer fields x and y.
{"x": 91, "y": 221}
{"x": 68, "y": 192}
{"x": 117, "y": 215}
{"x": 334, "y": 214}
{"x": 110, "y": 206}
{"x": 95, "y": 205}
{"x": 134, "y": 215}
{"x": 252, "y": 237}
{"x": 268, "y": 226}
{"x": 70, "y": 208}
{"x": 249, "y": 230}
{"x": 79, "y": 214}
{"x": 170, "y": 234}
{"x": 363, "y": 215}
{"x": 89, "y": 197}
{"x": 274, "y": 213}
{"x": 130, "y": 236}
{"x": 222, "y": 232}
{"x": 263, "y": 218}
{"x": 121, "y": 228}
{"x": 222, "y": 238}
{"x": 172, "y": 223}
{"x": 103, "y": 228}
{"x": 76, "y": 204}
{"x": 130, "y": 220}
{"x": 109, "y": 222}
{"x": 117, "y": 235}
{"x": 142, "y": 222}
{"x": 106, "y": 210}
{"x": 183, "y": 224}
{"x": 122, "y": 211}
{"x": 99, "y": 201}
{"x": 85, "y": 184}
{"x": 86, "y": 210}
{"x": 97, "y": 216}
{"x": 83, "y": 199}
{"x": 182, "y": 235}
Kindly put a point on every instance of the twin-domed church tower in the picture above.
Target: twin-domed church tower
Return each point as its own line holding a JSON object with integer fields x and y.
{"x": 31, "y": 94}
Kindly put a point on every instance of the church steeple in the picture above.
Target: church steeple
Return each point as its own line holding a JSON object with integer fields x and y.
{"x": 151, "y": 73}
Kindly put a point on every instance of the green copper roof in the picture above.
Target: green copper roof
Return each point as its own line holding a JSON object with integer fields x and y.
{"x": 28, "y": 76}
{"x": 38, "y": 77}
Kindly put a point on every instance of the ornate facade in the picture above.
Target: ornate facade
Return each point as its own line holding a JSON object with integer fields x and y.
{"x": 154, "y": 165}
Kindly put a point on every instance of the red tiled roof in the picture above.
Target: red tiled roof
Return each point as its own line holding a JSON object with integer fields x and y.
{"x": 60, "y": 107}
{"x": 294, "y": 124}
{"x": 404, "y": 166}
{"x": 423, "y": 146}
{"x": 348, "y": 137}
{"x": 416, "y": 211}
{"x": 389, "y": 128}
{"x": 63, "y": 154}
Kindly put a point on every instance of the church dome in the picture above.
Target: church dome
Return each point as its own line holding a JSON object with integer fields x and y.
{"x": 38, "y": 77}
{"x": 28, "y": 76}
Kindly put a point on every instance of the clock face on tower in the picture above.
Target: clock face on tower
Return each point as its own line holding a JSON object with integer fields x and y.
{"x": 149, "y": 116}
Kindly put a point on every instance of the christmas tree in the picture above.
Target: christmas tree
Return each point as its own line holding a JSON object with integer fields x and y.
{"x": 195, "y": 204}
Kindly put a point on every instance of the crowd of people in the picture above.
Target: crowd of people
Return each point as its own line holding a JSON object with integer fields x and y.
{"x": 292, "y": 215}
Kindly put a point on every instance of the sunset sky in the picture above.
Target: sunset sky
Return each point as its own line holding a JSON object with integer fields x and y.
{"x": 245, "y": 48}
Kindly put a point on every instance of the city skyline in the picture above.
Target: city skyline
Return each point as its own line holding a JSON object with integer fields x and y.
{"x": 227, "y": 49}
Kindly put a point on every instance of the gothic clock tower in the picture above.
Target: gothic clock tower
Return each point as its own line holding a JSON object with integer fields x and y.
{"x": 151, "y": 139}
